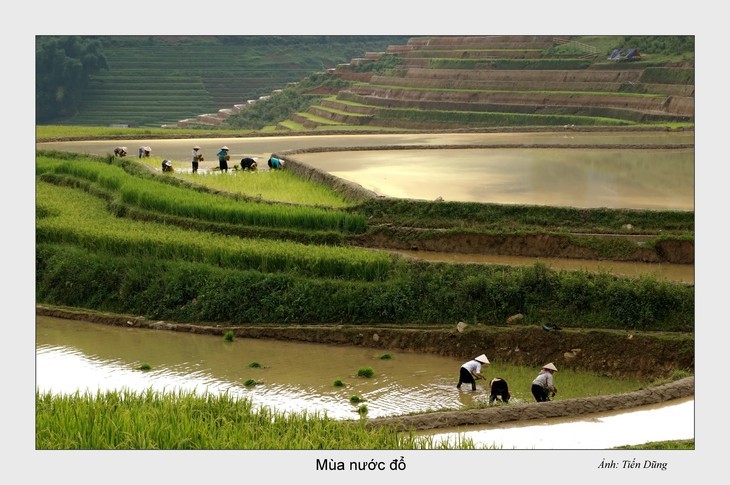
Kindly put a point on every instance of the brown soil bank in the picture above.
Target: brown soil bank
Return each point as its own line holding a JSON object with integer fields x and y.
{"x": 539, "y": 411}
{"x": 608, "y": 352}
{"x": 529, "y": 245}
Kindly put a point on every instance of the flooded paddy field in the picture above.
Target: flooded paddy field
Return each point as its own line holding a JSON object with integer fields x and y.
{"x": 81, "y": 356}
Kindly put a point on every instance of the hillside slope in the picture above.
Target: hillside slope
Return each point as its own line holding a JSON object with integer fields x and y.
{"x": 155, "y": 80}
{"x": 486, "y": 81}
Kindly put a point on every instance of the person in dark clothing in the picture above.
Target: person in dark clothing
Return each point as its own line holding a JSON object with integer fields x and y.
{"x": 197, "y": 158}
{"x": 498, "y": 389}
{"x": 544, "y": 385}
{"x": 249, "y": 163}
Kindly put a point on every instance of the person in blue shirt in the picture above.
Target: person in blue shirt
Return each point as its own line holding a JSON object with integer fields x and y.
{"x": 223, "y": 158}
{"x": 275, "y": 163}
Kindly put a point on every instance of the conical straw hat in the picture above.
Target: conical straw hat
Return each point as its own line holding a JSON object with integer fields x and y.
{"x": 550, "y": 366}
{"x": 482, "y": 358}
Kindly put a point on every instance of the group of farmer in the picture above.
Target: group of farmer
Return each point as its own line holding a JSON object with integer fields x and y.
{"x": 247, "y": 163}
{"x": 143, "y": 151}
{"x": 543, "y": 386}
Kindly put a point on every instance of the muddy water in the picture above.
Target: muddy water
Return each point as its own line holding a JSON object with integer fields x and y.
{"x": 682, "y": 273}
{"x": 74, "y": 355}
{"x": 80, "y": 356}
{"x": 585, "y": 178}
{"x": 179, "y": 150}
{"x": 630, "y": 178}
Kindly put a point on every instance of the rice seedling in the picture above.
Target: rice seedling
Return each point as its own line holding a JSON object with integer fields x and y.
{"x": 254, "y": 365}
{"x": 250, "y": 382}
{"x": 151, "y": 194}
{"x": 362, "y": 410}
{"x": 148, "y": 420}
{"x": 385, "y": 357}
{"x": 338, "y": 383}
{"x": 144, "y": 366}
{"x": 356, "y": 399}
{"x": 228, "y": 336}
{"x": 83, "y": 219}
{"x": 365, "y": 372}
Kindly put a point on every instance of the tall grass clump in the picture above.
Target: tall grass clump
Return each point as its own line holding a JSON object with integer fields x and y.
{"x": 183, "y": 420}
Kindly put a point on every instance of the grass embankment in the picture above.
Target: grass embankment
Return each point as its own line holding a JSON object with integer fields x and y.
{"x": 125, "y": 420}
{"x": 80, "y": 132}
{"x": 190, "y": 260}
{"x": 661, "y": 445}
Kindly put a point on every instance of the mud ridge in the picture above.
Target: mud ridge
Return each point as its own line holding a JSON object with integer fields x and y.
{"x": 503, "y": 413}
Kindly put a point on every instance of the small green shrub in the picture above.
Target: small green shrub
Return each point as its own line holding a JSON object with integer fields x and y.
{"x": 356, "y": 399}
{"x": 144, "y": 366}
{"x": 254, "y": 365}
{"x": 365, "y": 372}
{"x": 228, "y": 337}
{"x": 385, "y": 357}
{"x": 338, "y": 383}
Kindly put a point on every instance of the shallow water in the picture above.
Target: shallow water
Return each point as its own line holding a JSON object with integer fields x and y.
{"x": 655, "y": 179}
{"x": 670, "y": 421}
{"x": 615, "y": 178}
{"x": 80, "y": 356}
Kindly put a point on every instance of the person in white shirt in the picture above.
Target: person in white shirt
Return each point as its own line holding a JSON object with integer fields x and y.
{"x": 472, "y": 370}
{"x": 544, "y": 385}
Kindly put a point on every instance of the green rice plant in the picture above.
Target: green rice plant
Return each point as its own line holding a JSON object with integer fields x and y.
{"x": 144, "y": 366}
{"x": 385, "y": 357}
{"x": 228, "y": 336}
{"x": 183, "y": 420}
{"x": 338, "y": 383}
{"x": 151, "y": 194}
{"x": 362, "y": 410}
{"x": 84, "y": 221}
{"x": 356, "y": 399}
{"x": 254, "y": 365}
{"x": 365, "y": 372}
{"x": 250, "y": 382}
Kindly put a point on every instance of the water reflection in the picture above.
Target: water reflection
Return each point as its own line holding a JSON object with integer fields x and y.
{"x": 613, "y": 178}
{"x": 588, "y": 178}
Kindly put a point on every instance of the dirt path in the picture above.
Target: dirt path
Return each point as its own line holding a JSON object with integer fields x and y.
{"x": 539, "y": 411}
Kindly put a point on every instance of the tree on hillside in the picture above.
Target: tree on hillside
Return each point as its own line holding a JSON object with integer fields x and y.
{"x": 63, "y": 67}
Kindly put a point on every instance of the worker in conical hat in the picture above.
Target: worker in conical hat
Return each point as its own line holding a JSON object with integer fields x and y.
{"x": 472, "y": 370}
{"x": 544, "y": 384}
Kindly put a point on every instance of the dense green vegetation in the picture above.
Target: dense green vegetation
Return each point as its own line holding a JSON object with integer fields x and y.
{"x": 124, "y": 420}
{"x": 153, "y": 80}
{"x": 661, "y": 445}
{"x": 156, "y": 246}
{"x": 515, "y": 218}
{"x": 64, "y": 67}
